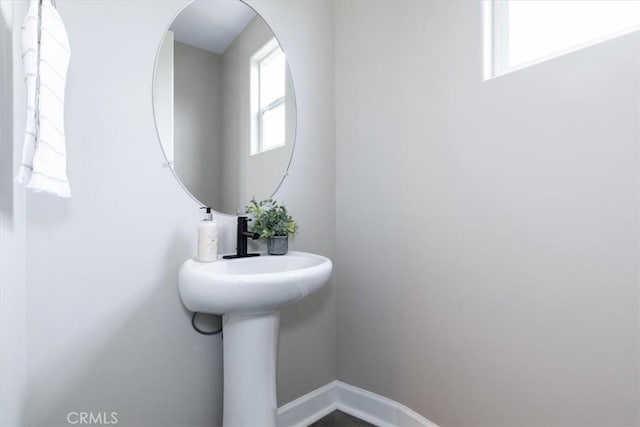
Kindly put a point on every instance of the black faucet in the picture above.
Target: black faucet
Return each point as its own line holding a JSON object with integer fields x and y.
{"x": 243, "y": 234}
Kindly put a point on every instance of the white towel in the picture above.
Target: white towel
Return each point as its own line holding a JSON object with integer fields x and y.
{"x": 44, "y": 157}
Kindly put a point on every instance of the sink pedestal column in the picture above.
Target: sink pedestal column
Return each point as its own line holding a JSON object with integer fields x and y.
{"x": 250, "y": 350}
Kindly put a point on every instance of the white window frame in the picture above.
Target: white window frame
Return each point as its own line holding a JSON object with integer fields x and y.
{"x": 496, "y": 41}
{"x": 258, "y": 112}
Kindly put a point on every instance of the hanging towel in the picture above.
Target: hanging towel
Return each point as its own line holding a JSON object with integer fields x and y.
{"x": 45, "y": 56}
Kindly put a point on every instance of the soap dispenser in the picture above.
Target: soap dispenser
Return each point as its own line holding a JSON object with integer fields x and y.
{"x": 207, "y": 238}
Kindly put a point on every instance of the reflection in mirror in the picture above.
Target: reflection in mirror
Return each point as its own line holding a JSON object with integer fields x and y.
{"x": 224, "y": 104}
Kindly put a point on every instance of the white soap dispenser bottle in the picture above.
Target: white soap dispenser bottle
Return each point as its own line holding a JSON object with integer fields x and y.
{"x": 208, "y": 238}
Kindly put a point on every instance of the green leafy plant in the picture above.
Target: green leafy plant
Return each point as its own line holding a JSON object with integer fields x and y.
{"x": 270, "y": 219}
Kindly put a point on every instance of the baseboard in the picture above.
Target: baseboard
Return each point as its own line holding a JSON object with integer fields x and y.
{"x": 368, "y": 406}
{"x": 309, "y": 408}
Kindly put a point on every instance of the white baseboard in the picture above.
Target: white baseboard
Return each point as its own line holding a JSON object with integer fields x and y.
{"x": 367, "y": 406}
{"x": 309, "y": 408}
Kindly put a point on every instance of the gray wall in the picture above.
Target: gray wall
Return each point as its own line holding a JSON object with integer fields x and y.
{"x": 487, "y": 232}
{"x": 105, "y": 326}
{"x": 198, "y": 119}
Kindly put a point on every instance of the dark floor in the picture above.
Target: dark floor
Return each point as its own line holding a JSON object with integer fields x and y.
{"x": 340, "y": 419}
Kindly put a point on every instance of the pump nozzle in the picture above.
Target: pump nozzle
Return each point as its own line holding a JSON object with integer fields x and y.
{"x": 209, "y": 214}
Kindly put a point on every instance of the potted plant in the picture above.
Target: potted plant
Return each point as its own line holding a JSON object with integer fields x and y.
{"x": 272, "y": 222}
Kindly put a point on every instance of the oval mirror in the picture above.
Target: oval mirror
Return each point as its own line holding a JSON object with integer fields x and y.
{"x": 224, "y": 104}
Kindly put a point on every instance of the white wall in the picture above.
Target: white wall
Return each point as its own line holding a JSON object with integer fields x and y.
{"x": 487, "y": 232}
{"x": 198, "y": 119}
{"x": 13, "y": 349}
{"x": 106, "y": 329}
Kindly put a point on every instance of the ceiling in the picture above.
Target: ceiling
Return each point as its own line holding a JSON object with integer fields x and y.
{"x": 211, "y": 25}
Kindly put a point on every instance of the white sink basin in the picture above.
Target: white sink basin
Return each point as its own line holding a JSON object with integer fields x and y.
{"x": 251, "y": 285}
{"x": 248, "y": 293}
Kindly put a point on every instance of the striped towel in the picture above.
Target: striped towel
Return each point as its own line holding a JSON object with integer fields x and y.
{"x": 45, "y": 56}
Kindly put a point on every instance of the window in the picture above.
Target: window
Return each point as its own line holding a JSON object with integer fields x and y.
{"x": 525, "y": 32}
{"x": 268, "y": 87}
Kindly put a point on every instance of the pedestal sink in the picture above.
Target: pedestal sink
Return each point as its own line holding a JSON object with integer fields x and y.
{"x": 248, "y": 293}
